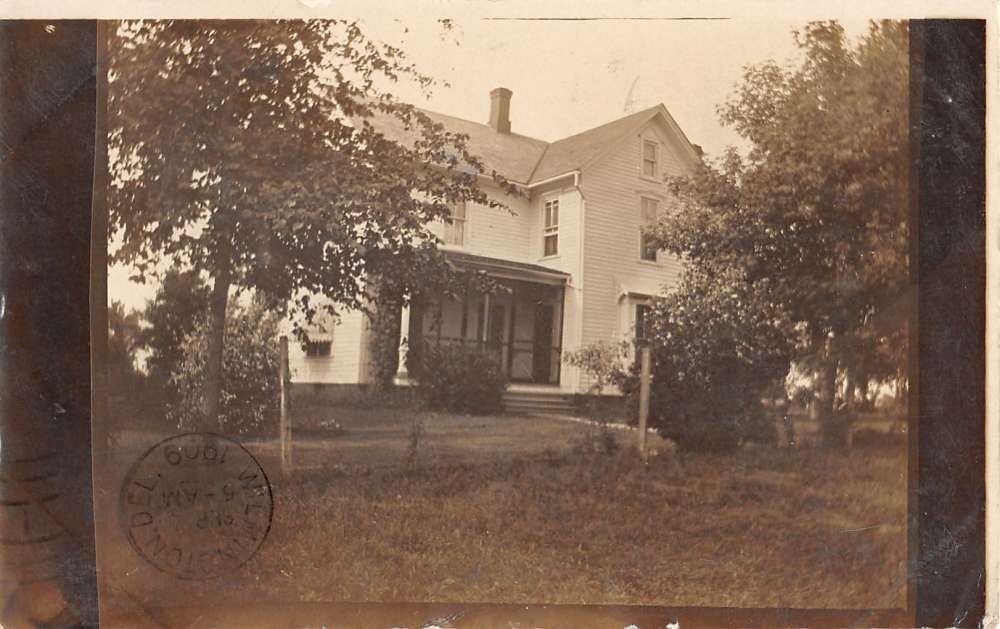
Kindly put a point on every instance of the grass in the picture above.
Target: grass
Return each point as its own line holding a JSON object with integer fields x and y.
{"x": 514, "y": 509}
{"x": 764, "y": 527}
{"x": 379, "y": 437}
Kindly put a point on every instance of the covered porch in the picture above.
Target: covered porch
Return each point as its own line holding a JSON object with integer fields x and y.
{"x": 521, "y": 323}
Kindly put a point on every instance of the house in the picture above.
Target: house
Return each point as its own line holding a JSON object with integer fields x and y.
{"x": 571, "y": 253}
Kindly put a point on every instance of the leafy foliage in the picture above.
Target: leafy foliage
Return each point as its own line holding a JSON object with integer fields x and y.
{"x": 180, "y": 301}
{"x": 460, "y": 378}
{"x": 128, "y": 385}
{"x": 248, "y": 150}
{"x": 602, "y": 361}
{"x": 252, "y": 144}
{"x": 818, "y": 208}
{"x": 386, "y": 323}
{"x": 124, "y": 330}
{"x": 718, "y": 344}
{"x": 250, "y": 380}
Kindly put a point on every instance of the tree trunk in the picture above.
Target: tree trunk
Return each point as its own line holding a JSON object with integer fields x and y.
{"x": 386, "y": 323}
{"x": 850, "y": 386}
{"x": 833, "y": 428}
{"x": 218, "y": 304}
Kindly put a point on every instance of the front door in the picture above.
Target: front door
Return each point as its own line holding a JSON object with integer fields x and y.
{"x": 541, "y": 358}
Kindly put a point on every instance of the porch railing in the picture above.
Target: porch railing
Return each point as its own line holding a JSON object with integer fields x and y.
{"x": 518, "y": 361}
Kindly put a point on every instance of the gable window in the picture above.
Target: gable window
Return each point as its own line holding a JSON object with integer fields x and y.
{"x": 454, "y": 225}
{"x": 650, "y": 208}
{"x": 550, "y": 231}
{"x": 318, "y": 349}
{"x": 650, "y": 158}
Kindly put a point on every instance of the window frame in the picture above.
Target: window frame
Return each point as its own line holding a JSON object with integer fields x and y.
{"x": 550, "y": 230}
{"x": 646, "y": 142}
{"x": 644, "y": 222}
{"x": 453, "y": 221}
{"x": 307, "y": 349}
{"x": 641, "y": 332}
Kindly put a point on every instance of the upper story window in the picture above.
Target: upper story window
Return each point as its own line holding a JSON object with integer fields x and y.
{"x": 550, "y": 231}
{"x": 454, "y": 225}
{"x": 650, "y": 158}
{"x": 650, "y": 209}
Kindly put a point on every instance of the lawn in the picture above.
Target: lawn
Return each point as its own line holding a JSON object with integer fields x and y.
{"x": 381, "y": 437}
{"x": 764, "y": 527}
{"x": 516, "y": 509}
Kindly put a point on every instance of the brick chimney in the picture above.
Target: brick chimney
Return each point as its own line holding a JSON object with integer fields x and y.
{"x": 500, "y": 109}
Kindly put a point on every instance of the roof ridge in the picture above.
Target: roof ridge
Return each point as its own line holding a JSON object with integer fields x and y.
{"x": 481, "y": 124}
{"x": 640, "y": 121}
{"x": 608, "y": 123}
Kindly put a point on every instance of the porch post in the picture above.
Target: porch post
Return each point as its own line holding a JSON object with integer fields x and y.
{"x": 510, "y": 340}
{"x": 465, "y": 314}
{"x": 562, "y": 319}
{"x": 404, "y": 342}
{"x": 483, "y": 334}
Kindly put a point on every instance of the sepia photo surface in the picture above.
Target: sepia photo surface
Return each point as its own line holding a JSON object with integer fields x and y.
{"x": 544, "y": 312}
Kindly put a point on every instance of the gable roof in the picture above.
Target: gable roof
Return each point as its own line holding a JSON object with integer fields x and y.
{"x": 527, "y": 160}
{"x": 577, "y": 151}
{"x": 510, "y": 154}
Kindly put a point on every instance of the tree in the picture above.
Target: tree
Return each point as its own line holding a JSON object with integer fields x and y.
{"x": 818, "y": 207}
{"x": 123, "y": 343}
{"x": 247, "y": 151}
{"x": 127, "y": 384}
{"x": 180, "y": 301}
{"x": 249, "y": 399}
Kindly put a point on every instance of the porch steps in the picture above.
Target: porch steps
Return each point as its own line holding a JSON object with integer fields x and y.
{"x": 520, "y": 402}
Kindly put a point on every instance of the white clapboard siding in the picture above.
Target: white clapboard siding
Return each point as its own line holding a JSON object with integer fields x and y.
{"x": 613, "y": 187}
{"x": 496, "y": 232}
{"x": 344, "y": 363}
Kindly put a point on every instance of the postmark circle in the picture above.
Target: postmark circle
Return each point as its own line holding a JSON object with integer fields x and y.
{"x": 197, "y": 505}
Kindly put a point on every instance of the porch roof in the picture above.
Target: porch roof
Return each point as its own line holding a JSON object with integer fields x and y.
{"x": 510, "y": 269}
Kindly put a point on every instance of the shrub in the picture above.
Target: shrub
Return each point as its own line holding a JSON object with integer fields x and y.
{"x": 599, "y": 441}
{"x": 250, "y": 396}
{"x": 718, "y": 345}
{"x": 460, "y": 379}
{"x": 602, "y": 362}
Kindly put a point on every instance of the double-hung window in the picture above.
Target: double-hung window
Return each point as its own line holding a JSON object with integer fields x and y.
{"x": 550, "y": 230}
{"x": 649, "y": 209}
{"x": 650, "y": 158}
{"x": 642, "y": 322}
{"x": 454, "y": 225}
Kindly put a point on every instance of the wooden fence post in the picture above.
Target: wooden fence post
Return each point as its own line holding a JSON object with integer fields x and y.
{"x": 644, "y": 377}
{"x": 286, "y": 419}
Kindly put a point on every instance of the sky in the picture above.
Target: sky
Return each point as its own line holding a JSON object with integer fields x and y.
{"x": 571, "y": 75}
